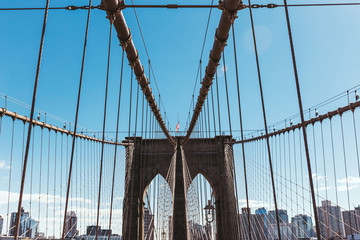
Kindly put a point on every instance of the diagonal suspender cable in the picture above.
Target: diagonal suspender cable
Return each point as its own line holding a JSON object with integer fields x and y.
{"x": 123, "y": 32}
{"x": 265, "y": 122}
{"x": 230, "y": 8}
{"x": 17, "y": 221}
{"x": 104, "y": 124}
{"x": 302, "y": 121}
{"x": 242, "y": 132}
{"x": 76, "y": 120}
{"x": 116, "y": 139}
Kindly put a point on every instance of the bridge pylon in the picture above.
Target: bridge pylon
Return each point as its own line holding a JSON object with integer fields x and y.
{"x": 212, "y": 157}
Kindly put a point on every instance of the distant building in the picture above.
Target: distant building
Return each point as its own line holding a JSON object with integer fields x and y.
{"x": 283, "y": 216}
{"x": 100, "y": 237}
{"x": 263, "y": 213}
{"x": 1, "y": 224}
{"x": 257, "y": 225}
{"x": 351, "y": 222}
{"x": 71, "y": 224}
{"x": 199, "y": 232}
{"x": 91, "y": 230}
{"x": 331, "y": 219}
{"x": 149, "y": 231}
{"x": 170, "y": 227}
{"x": 354, "y": 237}
{"x": 302, "y": 227}
{"x": 103, "y": 234}
{"x": 285, "y": 231}
{"x": 28, "y": 227}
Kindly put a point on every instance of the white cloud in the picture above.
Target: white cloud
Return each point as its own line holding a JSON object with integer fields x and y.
{"x": 222, "y": 70}
{"x": 254, "y": 204}
{"x": 342, "y": 188}
{"x": 43, "y": 198}
{"x": 350, "y": 180}
{"x": 323, "y": 188}
{"x": 318, "y": 177}
{"x": 3, "y": 165}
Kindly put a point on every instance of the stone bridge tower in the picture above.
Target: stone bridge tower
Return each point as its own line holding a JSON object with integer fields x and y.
{"x": 213, "y": 158}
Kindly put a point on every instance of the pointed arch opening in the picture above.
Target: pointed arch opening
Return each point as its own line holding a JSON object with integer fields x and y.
{"x": 157, "y": 209}
{"x": 200, "y": 194}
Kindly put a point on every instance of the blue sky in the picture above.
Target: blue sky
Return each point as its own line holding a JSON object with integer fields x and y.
{"x": 326, "y": 45}
{"x": 324, "y": 37}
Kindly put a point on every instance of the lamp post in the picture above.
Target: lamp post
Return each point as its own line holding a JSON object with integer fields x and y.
{"x": 209, "y": 212}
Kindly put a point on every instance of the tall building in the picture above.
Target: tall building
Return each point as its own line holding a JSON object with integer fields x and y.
{"x": 302, "y": 226}
{"x": 91, "y": 230}
{"x": 351, "y": 222}
{"x": 1, "y": 224}
{"x": 263, "y": 213}
{"x": 71, "y": 225}
{"x": 28, "y": 227}
{"x": 331, "y": 219}
{"x": 285, "y": 231}
{"x": 199, "y": 232}
{"x": 149, "y": 231}
{"x": 103, "y": 234}
{"x": 283, "y": 216}
{"x": 257, "y": 225}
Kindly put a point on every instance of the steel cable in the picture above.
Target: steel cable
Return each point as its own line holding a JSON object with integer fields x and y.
{"x": 264, "y": 117}
{"x": 103, "y": 128}
{"x": 76, "y": 121}
{"x": 242, "y": 134}
{"x": 17, "y": 221}
{"x": 116, "y": 139}
{"x": 302, "y": 120}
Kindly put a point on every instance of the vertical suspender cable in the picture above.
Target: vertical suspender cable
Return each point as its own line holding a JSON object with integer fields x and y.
{"x": 136, "y": 111}
{"x": 61, "y": 181}
{"x": 302, "y": 121}
{"x": 11, "y": 160}
{"x": 218, "y": 104}
{"x": 47, "y": 186}
{"x": 116, "y": 140}
{"x": 213, "y": 109}
{"x": 356, "y": 140}
{"x": 17, "y": 223}
{"x": 334, "y": 167}
{"x": 316, "y": 165}
{"x": 40, "y": 171}
{"x": 103, "y": 130}
{"x": 76, "y": 120}
{"x": 208, "y": 114}
{"x": 242, "y": 133}
{"x": 131, "y": 85}
{"x": 55, "y": 169}
{"x": 265, "y": 122}
{"x": 346, "y": 173}
{"x": 132, "y": 185}
{"x": 227, "y": 95}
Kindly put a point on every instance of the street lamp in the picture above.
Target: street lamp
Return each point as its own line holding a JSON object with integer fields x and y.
{"x": 209, "y": 212}
{"x": 163, "y": 235}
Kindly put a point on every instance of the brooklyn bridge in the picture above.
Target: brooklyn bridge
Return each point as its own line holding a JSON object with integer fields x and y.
{"x": 236, "y": 165}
